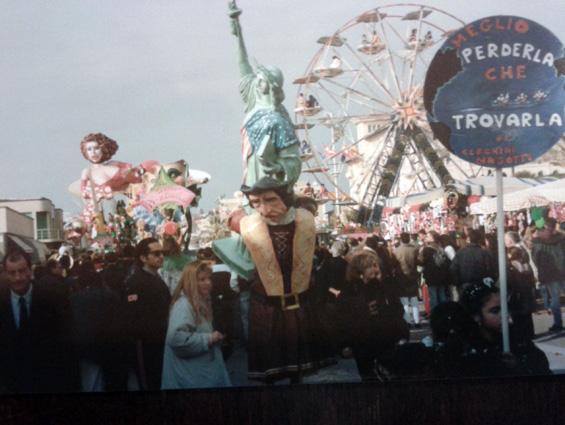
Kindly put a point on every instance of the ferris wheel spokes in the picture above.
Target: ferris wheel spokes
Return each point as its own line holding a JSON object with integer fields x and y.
{"x": 336, "y": 98}
{"x": 416, "y": 51}
{"x": 391, "y": 60}
{"x": 370, "y": 72}
{"x": 359, "y": 93}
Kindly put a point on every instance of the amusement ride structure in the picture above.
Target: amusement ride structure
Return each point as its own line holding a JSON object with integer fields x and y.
{"x": 359, "y": 111}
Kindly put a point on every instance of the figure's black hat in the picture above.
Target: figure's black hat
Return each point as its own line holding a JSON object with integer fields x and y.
{"x": 263, "y": 185}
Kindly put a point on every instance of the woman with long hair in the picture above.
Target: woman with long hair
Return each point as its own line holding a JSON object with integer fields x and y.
{"x": 371, "y": 315}
{"x": 193, "y": 358}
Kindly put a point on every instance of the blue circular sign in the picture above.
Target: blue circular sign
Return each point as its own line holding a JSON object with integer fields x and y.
{"x": 495, "y": 91}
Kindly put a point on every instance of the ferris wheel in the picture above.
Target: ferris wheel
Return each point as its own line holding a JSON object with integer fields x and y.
{"x": 359, "y": 109}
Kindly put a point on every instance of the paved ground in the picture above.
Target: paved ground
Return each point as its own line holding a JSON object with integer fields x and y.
{"x": 553, "y": 344}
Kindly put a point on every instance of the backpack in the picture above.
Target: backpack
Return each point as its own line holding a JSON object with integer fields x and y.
{"x": 442, "y": 262}
{"x": 440, "y": 258}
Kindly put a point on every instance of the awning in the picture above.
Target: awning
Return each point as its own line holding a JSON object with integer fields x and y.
{"x": 21, "y": 244}
{"x": 36, "y": 249}
{"x": 537, "y": 196}
{"x": 478, "y": 186}
{"x": 486, "y": 185}
{"x": 415, "y": 198}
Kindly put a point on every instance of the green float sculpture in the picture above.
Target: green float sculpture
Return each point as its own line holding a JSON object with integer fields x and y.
{"x": 269, "y": 143}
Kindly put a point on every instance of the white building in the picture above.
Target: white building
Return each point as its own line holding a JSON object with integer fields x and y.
{"x": 17, "y": 232}
{"x": 47, "y": 219}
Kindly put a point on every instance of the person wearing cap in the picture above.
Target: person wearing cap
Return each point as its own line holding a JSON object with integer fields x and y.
{"x": 276, "y": 250}
{"x": 269, "y": 143}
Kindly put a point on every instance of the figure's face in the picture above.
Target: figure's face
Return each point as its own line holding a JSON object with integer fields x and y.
{"x": 490, "y": 313}
{"x": 508, "y": 242}
{"x": 372, "y": 272}
{"x": 57, "y": 270}
{"x": 18, "y": 274}
{"x": 262, "y": 84}
{"x": 269, "y": 205}
{"x": 94, "y": 152}
{"x": 176, "y": 171}
{"x": 154, "y": 259}
{"x": 204, "y": 283}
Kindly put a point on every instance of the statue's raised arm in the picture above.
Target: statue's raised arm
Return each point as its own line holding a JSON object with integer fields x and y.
{"x": 269, "y": 143}
{"x": 244, "y": 65}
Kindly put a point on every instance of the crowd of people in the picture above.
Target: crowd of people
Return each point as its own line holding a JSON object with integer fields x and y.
{"x": 154, "y": 318}
{"x": 460, "y": 277}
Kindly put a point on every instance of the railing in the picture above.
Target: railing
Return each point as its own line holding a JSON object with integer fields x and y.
{"x": 47, "y": 234}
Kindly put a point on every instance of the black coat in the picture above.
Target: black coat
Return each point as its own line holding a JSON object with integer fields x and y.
{"x": 436, "y": 273}
{"x": 471, "y": 265}
{"x": 371, "y": 316}
{"x": 37, "y": 358}
{"x": 329, "y": 274}
{"x": 147, "y": 314}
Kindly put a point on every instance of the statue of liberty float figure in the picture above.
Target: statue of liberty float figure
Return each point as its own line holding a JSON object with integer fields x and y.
{"x": 269, "y": 144}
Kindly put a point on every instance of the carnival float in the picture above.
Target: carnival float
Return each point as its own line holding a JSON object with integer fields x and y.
{"x": 123, "y": 204}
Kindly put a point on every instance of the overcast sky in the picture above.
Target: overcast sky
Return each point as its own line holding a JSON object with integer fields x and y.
{"x": 160, "y": 77}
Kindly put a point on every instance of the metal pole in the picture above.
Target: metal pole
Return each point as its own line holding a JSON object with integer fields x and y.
{"x": 502, "y": 260}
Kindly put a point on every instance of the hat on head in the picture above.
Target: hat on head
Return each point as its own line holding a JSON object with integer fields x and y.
{"x": 264, "y": 184}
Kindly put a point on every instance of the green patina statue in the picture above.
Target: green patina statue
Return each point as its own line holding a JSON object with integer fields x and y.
{"x": 269, "y": 143}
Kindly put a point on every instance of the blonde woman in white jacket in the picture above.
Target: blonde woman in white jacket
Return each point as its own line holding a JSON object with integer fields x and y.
{"x": 193, "y": 358}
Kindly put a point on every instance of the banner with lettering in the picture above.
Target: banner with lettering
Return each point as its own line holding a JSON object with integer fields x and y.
{"x": 495, "y": 91}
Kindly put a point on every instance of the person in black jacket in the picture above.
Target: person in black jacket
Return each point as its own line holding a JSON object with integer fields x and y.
{"x": 147, "y": 311}
{"x": 370, "y": 316}
{"x": 548, "y": 253}
{"x": 435, "y": 263}
{"x": 521, "y": 287}
{"x": 35, "y": 354}
{"x": 471, "y": 264}
{"x": 95, "y": 316}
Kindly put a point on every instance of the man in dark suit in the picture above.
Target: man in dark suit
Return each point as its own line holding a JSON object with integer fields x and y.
{"x": 147, "y": 314}
{"x": 34, "y": 351}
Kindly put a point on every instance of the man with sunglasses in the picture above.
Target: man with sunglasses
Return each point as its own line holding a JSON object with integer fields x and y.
{"x": 147, "y": 309}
